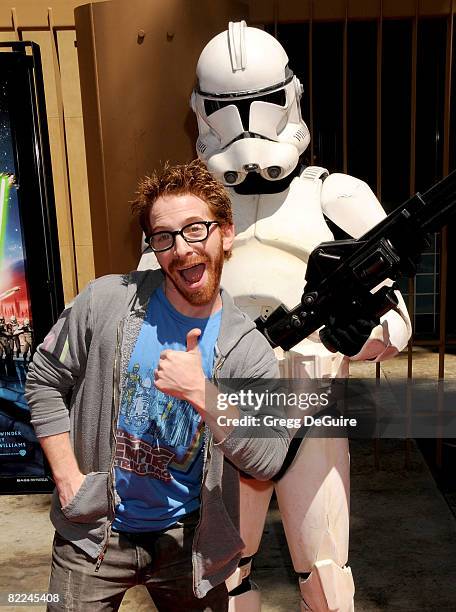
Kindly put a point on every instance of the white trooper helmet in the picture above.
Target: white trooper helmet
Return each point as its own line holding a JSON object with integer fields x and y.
{"x": 247, "y": 105}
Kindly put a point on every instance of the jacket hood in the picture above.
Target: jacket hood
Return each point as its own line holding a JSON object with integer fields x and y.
{"x": 240, "y": 324}
{"x": 141, "y": 284}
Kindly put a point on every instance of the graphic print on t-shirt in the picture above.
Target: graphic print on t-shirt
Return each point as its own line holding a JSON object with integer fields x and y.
{"x": 149, "y": 413}
{"x": 158, "y": 460}
{"x": 136, "y": 455}
{"x": 147, "y": 410}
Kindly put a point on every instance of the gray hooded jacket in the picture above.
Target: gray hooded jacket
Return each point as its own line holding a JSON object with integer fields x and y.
{"x": 74, "y": 385}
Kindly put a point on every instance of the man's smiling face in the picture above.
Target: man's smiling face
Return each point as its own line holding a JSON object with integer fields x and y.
{"x": 193, "y": 270}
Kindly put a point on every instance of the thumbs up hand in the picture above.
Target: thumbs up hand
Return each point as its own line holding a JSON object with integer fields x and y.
{"x": 180, "y": 373}
{"x": 192, "y": 341}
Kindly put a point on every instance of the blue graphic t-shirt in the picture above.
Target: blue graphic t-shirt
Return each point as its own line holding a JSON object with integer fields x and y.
{"x": 158, "y": 463}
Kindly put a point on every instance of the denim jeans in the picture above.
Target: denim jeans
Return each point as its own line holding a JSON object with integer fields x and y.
{"x": 161, "y": 561}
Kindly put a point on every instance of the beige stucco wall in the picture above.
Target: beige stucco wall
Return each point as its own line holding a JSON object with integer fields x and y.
{"x": 136, "y": 93}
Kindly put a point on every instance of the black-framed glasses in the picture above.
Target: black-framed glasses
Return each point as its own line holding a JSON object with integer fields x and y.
{"x": 198, "y": 231}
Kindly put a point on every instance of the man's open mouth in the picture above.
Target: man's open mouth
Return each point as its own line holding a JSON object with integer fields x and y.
{"x": 193, "y": 274}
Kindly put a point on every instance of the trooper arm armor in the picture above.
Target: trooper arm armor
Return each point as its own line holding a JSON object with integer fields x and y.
{"x": 341, "y": 275}
{"x": 351, "y": 205}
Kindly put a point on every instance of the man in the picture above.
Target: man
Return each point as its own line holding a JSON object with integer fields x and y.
{"x": 140, "y": 500}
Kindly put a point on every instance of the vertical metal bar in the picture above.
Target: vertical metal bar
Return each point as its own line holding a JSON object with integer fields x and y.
{"x": 377, "y": 441}
{"x": 379, "y": 100}
{"x": 379, "y": 52}
{"x": 377, "y": 448}
{"x": 446, "y": 168}
{"x": 379, "y": 162}
{"x": 311, "y": 116}
{"x": 412, "y": 176}
{"x": 444, "y": 232}
{"x": 448, "y": 85}
{"x": 411, "y": 311}
{"x": 412, "y": 179}
{"x": 275, "y": 16}
{"x": 345, "y": 92}
{"x": 413, "y": 102}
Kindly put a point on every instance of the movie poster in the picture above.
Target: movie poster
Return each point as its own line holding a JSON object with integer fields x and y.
{"x": 20, "y": 453}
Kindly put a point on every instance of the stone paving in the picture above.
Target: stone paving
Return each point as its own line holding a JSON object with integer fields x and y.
{"x": 403, "y": 534}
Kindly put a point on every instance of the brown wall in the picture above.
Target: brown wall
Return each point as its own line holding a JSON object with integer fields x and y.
{"x": 136, "y": 104}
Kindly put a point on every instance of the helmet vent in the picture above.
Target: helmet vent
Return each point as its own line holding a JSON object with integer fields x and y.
{"x": 300, "y": 134}
{"x": 201, "y": 146}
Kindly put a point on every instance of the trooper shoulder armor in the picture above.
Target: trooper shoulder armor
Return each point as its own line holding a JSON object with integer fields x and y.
{"x": 350, "y": 204}
{"x": 314, "y": 172}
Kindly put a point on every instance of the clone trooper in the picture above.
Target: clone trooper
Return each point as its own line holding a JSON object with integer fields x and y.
{"x": 28, "y": 339}
{"x": 16, "y": 331}
{"x": 5, "y": 347}
{"x": 252, "y": 137}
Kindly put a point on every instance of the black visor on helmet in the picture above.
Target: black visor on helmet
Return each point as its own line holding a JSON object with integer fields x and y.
{"x": 275, "y": 97}
{"x": 253, "y": 93}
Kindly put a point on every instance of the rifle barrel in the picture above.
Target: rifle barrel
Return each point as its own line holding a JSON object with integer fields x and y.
{"x": 440, "y": 204}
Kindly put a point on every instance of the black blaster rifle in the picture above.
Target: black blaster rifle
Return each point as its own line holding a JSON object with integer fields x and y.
{"x": 341, "y": 274}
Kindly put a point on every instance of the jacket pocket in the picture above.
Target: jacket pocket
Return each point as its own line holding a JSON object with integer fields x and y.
{"x": 216, "y": 553}
{"x": 91, "y": 501}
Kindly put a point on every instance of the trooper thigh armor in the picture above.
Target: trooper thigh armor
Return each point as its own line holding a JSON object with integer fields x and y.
{"x": 314, "y": 503}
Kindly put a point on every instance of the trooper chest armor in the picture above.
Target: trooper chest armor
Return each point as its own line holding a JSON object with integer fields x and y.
{"x": 275, "y": 234}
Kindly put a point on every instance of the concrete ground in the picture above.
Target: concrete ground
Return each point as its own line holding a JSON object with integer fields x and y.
{"x": 403, "y": 534}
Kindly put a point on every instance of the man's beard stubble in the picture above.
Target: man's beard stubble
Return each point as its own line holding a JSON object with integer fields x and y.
{"x": 208, "y": 292}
